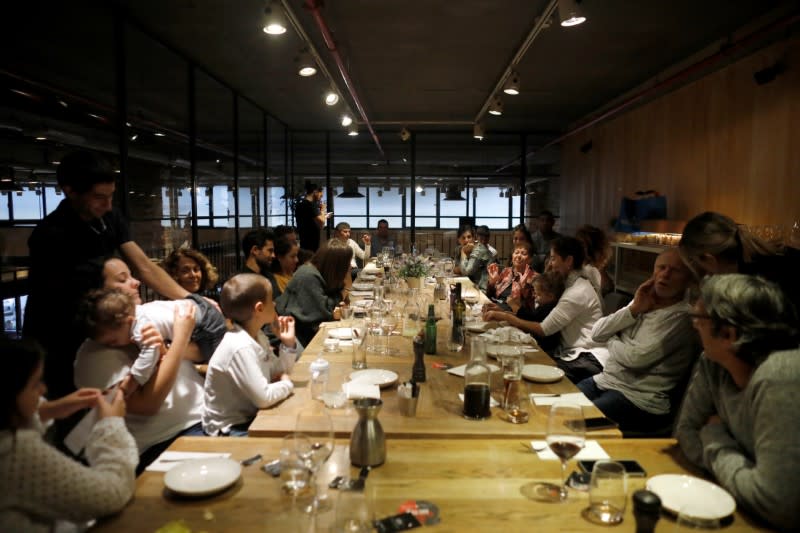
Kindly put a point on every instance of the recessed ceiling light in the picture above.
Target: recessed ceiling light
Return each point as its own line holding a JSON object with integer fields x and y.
{"x": 346, "y": 120}
{"x": 41, "y": 138}
{"x": 158, "y": 134}
{"x": 305, "y": 64}
{"x": 331, "y": 97}
{"x": 274, "y": 21}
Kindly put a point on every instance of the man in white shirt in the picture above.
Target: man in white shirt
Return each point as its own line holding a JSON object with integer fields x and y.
{"x": 651, "y": 347}
{"x": 343, "y": 234}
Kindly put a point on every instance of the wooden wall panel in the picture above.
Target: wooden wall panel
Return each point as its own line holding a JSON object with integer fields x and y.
{"x": 721, "y": 143}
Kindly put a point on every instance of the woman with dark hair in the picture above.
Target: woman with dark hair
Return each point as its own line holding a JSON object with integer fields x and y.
{"x": 191, "y": 270}
{"x": 713, "y": 243}
{"x": 509, "y": 283}
{"x": 316, "y": 289}
{"x": 521, "y": 234}
{"x": 739, "y": 419}
{"x": 598, "y": 252}
{"x": 38, "y": 484}
{"x": 285, "y": 263}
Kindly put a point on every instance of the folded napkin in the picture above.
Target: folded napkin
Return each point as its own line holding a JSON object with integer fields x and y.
{"x": 492, "y": 401}
{"x": 592, "y": 451}
{"x": 574, "y": 397}
{"x": 509, "y": 334}
{"x": 459, "y": 370}
{"x": 169, "y": 460}
{"x": 355, "y": 390}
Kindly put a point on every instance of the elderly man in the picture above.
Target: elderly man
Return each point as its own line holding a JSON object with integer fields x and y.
{"x": 651, "y": 347}
{"x": 739, "y": 419}
{"x": 343, "y": 235}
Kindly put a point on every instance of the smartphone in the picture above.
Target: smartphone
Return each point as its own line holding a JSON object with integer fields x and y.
{"x": 595, "y": 423}
{"x": 632, "y": 468}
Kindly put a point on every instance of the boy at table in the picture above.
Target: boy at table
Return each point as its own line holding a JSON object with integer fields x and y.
{"x": 244, "y": 375}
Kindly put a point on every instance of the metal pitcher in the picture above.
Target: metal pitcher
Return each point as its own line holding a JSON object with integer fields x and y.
{"x": 368, "y": 442}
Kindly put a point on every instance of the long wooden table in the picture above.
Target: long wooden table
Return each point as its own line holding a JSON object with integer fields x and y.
{"x": 439, "y": 408}
{"x": 477, "y": 484}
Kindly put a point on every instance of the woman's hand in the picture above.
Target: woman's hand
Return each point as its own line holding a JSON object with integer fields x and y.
{"x": 286, "y": 331}
{"x": 69, "y": 404}
{"x": 183, "y": 323}
{"x": 151, "y": 337}
{"x": 115, "y": 408}
{"x": 494, "y": 273}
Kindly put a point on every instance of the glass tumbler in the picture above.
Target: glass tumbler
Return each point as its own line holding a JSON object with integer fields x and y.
{"x": 608, "y": 493}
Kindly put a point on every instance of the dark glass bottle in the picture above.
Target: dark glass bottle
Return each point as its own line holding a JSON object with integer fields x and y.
{"x": 430, "y": 331}
{"x": 458, "y": 310}
{"x": 418, "y": 370}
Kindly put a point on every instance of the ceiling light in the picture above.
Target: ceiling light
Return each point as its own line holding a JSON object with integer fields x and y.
{"x": 331, "y": 97}
{"x": 346, "y": 120}
{"x": 478, "y": 131}
{"x": 512, "y": 84}
{"x": 134, "y": 136}
{"x": 352, "y": 131}
{"x": 569, "y": 13}
{"x": 305, "y": 64}
{"x": 41, "y": 138}
{"x": 496, "y": 106}
{"x": 405, "y": 134}
{"x": 452, "y": 193}
{"x": 350, "y": 189}
{"x": 158, "y": 134}
{"x": 62, "y": 103}
{"x": 380, "y": 193}
{"x": 274, "y": 22}
{"x": 419, "y": 188}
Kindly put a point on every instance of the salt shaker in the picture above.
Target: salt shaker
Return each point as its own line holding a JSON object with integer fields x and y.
{"x": 646, "y": 510}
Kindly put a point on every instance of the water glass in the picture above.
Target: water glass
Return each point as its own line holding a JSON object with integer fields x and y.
{"x": 455, "y": 342}
{"x": 353, "y": 513}
{"x": 608, "y": 493}
{"x": 347, "y": 314}
{"x": 296, "y": 476}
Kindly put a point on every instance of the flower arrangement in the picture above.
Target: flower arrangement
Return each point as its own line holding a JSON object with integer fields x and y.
{"x": 414, "y": 267}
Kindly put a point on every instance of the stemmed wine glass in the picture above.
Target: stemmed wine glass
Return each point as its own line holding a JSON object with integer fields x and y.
{"x": 315, "y": 423}
{"x": 566, "y": 436}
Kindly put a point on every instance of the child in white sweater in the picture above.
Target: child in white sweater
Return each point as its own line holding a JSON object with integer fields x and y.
{"x": 244, "y": 375}
{"x": 38, "y": 484}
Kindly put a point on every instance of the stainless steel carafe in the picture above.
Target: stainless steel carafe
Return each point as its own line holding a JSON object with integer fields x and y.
{"x": 368, "y": 442}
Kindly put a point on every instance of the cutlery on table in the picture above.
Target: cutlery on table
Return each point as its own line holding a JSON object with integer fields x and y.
{"x": 251, "y": 460}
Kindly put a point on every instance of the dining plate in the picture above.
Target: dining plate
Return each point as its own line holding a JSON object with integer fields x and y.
{"x": 542, "y": 373}
{"x": 201, "y": 477}
{"x": 363, "y": 286}
{"x": 374, "y": 376}
{"x": 678, "y": 490}
{"x": 368, "y": 277}
{"x": 342, "y": 334}
{"x": 476, "y": 327}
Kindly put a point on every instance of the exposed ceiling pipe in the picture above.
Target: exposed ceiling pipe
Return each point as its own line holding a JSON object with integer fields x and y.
{"x": 541, "y": 22}
{"x": 314, "y": 7}
{"x": 667, "y": 83}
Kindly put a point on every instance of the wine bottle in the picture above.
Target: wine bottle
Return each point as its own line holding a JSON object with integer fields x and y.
{"x": 430, "y": 331}
{"x": 458, "y": 311}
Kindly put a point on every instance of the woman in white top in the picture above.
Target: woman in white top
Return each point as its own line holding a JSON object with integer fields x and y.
{"x": 38, "y": 484}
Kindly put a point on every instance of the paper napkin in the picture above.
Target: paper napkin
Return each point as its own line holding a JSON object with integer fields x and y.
{"x": 356, "y": 390}
{"x": 573, "y": 397}
{"x": 592, "y": 451}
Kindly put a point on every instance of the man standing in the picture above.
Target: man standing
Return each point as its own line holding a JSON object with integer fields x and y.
{"x": 67, "y": 250}
{"x": 381, "y": 237}
{"x": 310, "y": 215}
{"x": 258, "y": 247}
{"x": 542, "y": 239}
{"x": 651, "y": 347}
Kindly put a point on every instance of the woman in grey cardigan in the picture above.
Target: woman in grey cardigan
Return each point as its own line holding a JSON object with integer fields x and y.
{"x": 316, "y": 289}
{"x": 739, "y": 419}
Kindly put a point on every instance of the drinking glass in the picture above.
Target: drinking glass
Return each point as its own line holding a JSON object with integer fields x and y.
{"x": 455, "y": 342}
{"x": 315, "y": 424}
{"x": 689, "y": 518}
{"x": 566, "y": 435}
{"x": 608, "y": 493}
{"x": 353, "y": 513}
{"x": 359, "y": 330}
{"x": 388, "y": 324}
{"x": 295, "y": 474}
{"x": 347, "y": 314}
{"x": 513, "y": 388}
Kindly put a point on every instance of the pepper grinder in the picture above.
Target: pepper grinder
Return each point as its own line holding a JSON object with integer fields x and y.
{"x": 646, "y": 510}
{"x": 418, "y": 370}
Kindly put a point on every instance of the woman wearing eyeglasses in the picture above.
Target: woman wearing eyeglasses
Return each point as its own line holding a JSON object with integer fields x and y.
{"x": 739, "y": 418}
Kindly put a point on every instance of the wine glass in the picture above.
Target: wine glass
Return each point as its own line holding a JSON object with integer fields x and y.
{"x": 315, "y": 424}
{"x": 566, "y": 435}
{"x": 388, "y": 324}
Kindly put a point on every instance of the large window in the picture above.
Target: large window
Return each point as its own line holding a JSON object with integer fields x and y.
{"x": 425, "y": 206}
{"x": 387, "y": 205}
{"x": 351, "y": 210}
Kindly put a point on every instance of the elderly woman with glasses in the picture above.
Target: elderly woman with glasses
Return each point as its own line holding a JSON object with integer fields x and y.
{"x": 739, "y": 418}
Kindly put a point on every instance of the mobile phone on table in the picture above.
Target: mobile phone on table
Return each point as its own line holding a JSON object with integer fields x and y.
{"x": 632, "y": 468}
{"x": 600, "y": 422}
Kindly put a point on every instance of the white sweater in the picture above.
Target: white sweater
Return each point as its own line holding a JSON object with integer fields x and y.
{"x": 40, "y": 485}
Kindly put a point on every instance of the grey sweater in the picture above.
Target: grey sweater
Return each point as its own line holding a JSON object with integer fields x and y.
{"x": 307, "y": 299}
{"x": 755, "y": 452}
{"x": 647, "y": 355}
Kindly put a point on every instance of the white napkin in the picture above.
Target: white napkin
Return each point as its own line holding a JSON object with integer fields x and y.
{"x": 169, "y": 460}
{"x": 459, "y": 370}
{"x": 574, "y": 397}
{"x": 592, "y": 451}
{"x": 492, "y": 401}
{"x": 509, "y": 334}
{"x": 356, "y": 390}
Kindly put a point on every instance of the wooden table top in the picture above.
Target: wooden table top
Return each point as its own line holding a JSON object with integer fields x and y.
{"x": 477, "y": 484}
{"x": 439, "y": 408}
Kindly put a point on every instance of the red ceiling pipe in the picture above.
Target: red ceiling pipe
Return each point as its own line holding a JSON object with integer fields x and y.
{"x": 314, "y": 6}
{"x": 666, "y": 83}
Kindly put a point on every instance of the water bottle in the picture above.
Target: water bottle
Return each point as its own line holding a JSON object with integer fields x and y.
{"x": 320, "y": 370}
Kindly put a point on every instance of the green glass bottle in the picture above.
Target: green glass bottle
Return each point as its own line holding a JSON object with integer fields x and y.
{"x": 458, "y": 311}
{"x": 430, "y": 331}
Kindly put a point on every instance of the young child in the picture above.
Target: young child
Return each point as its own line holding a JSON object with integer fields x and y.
{"x": 244, "y": 375}
{"x": 112, "y": 318}
{"x": 548, "y": 288}
{"x": 38, "y": 484}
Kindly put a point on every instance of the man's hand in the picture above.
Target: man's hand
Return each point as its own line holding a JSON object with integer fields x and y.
{"x": 367, "y": 239}
{"x": 286, "y": 331}
{"x": 69, "y": 404}
{"x": 645, "y": 298}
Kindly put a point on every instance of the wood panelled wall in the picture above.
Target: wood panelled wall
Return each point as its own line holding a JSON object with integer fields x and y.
{"x": 722, "y": 143}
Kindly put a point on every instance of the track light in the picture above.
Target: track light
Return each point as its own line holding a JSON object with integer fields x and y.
{"x": 419, "y": 188}
{"x": 346, "y": 120}
{"x": 331, "y": 97}
{"x": 352, "y": 130}
{"x": 496, "y": 106}
{"x": 569, "y": 13}
{"x": 274, "y": 22}
{"x": 477, "y": 131}
{"x": 305, "y": 64}
{"x": 405, "y": 134}
{"x": 512, "y": 84}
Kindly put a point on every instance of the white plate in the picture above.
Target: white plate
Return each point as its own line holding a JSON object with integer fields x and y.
{"x": 200, "y": 477}
{"x": 677, "y": 491}
{"x": 367, "y": 277}
{"x": 374, "y": 376}
{"x": 476, "y": 327}
{"x": 542, "y": 373}
{"x": 343, "y": 334}
{"x": 499, "y": 350}
{"x": 363, "y": 286}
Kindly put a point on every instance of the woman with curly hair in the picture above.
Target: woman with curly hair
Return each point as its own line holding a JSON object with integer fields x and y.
{"x": 192, "y": 270}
